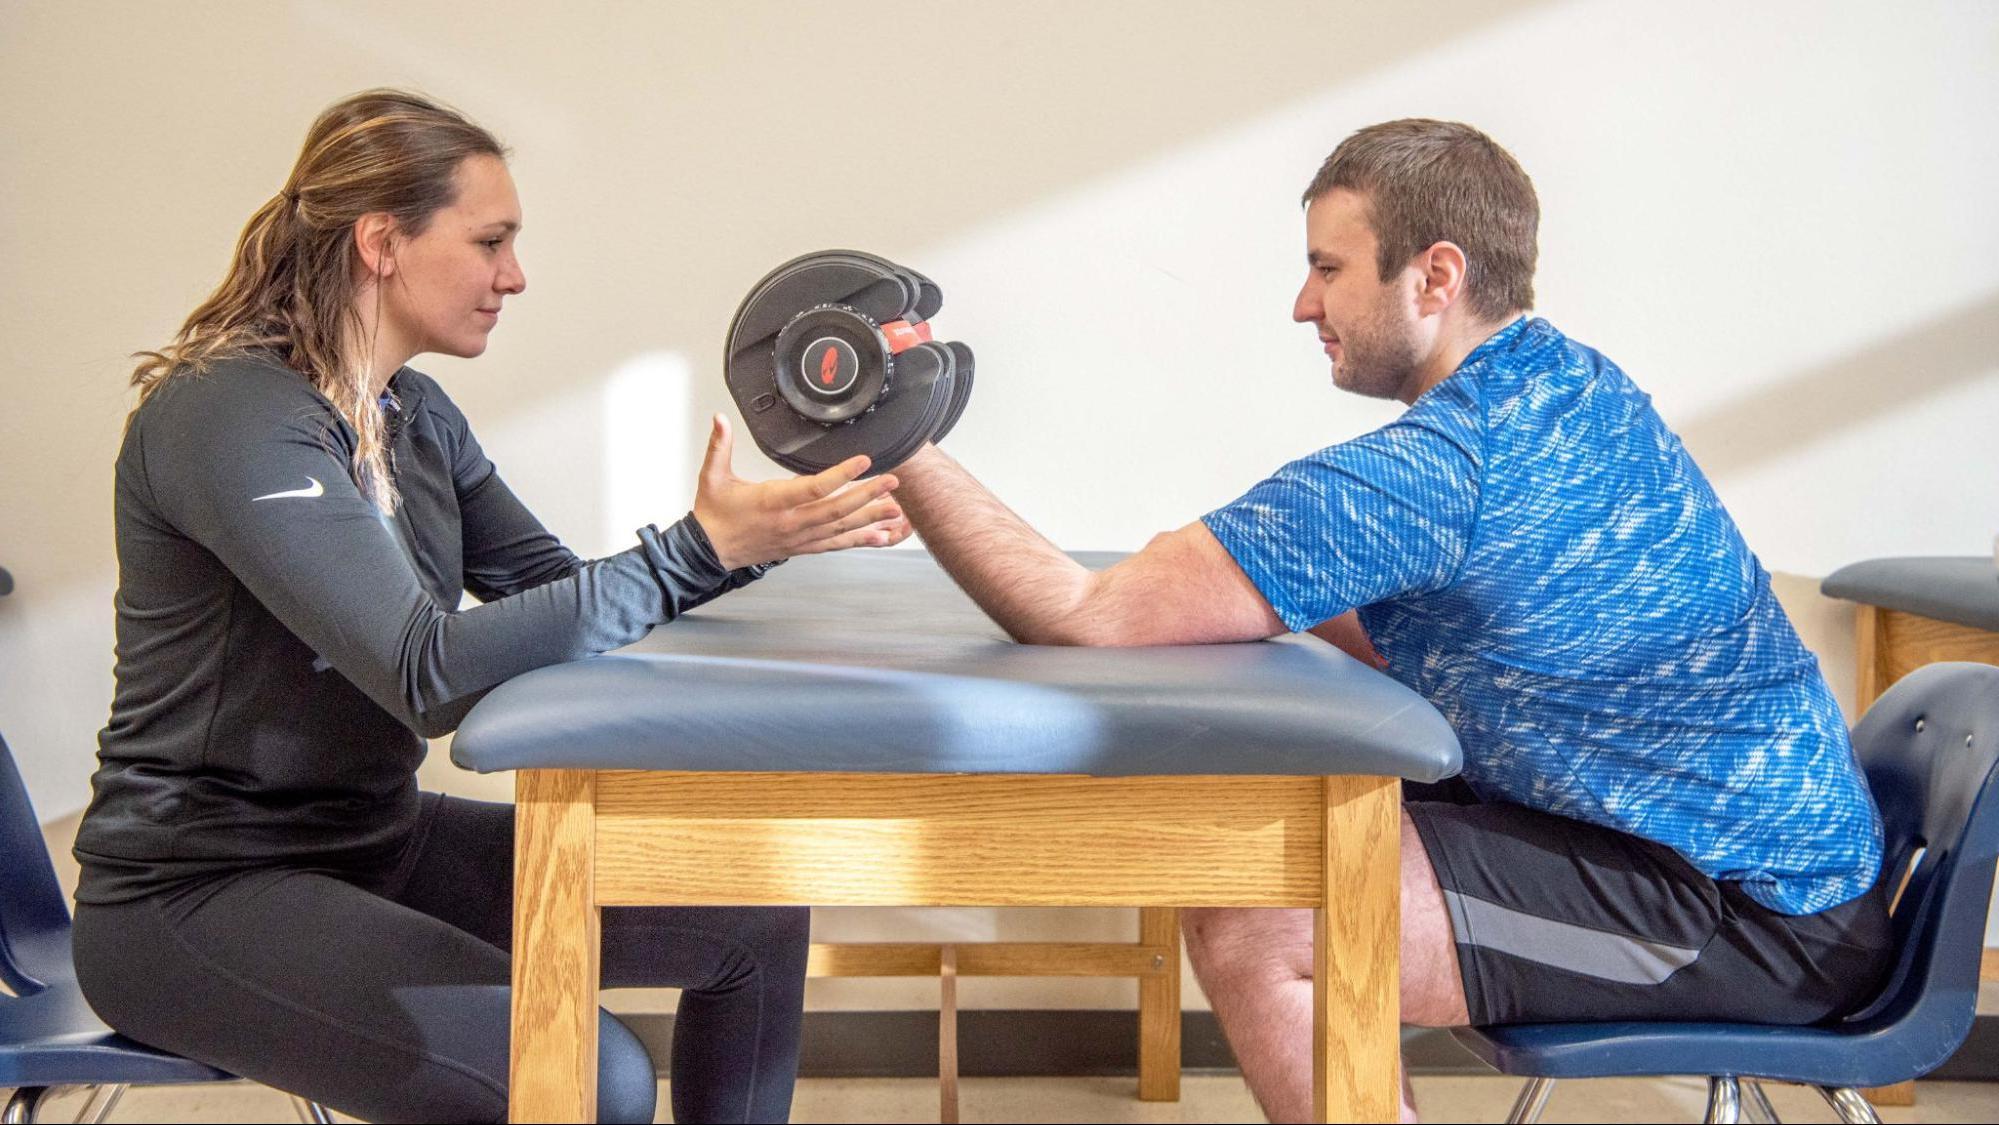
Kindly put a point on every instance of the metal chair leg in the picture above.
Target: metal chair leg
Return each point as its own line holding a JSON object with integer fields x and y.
{"x": 22, "y": 1106}
{"x": 1850, "y": 1105}
{"x": 1759, "y": 1102}
{"x": 27, "y": 1102}
{"x": 103, "y": 1099}
{"x": 1724, "y": 1100}
{"x": 1533, "y": 1098}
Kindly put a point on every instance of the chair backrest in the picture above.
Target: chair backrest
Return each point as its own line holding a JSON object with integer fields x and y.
{"x": 1930, "y": 746}
{"x": 34, "y": 918}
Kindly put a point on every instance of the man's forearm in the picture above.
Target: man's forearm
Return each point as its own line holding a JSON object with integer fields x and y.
{"x": 1022, "y": 581}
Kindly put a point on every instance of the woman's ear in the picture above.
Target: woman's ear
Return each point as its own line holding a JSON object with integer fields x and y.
{"x": 374, "y": 239}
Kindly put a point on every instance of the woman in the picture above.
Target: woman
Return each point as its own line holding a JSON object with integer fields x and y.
{"x": 264, "y": 888}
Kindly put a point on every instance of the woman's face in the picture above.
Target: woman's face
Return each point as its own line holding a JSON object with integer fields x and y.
{"x": 449, "y": 281}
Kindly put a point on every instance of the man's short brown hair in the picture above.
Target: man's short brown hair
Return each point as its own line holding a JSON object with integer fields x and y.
{"x": 1438, "y": 181}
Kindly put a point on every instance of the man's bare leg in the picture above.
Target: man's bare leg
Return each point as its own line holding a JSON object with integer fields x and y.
{"x": 1256, "y": 968}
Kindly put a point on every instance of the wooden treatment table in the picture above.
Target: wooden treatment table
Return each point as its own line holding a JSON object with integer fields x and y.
{"x": 853, "y": 731}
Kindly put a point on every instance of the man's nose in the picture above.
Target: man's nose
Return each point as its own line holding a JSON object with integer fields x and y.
{"x": 1308, "y": 308}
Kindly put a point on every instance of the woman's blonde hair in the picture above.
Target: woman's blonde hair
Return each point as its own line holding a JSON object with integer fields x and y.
{"x": 291, "y": 284}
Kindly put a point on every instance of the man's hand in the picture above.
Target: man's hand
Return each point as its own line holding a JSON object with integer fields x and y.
{"x": 761, "y": 521}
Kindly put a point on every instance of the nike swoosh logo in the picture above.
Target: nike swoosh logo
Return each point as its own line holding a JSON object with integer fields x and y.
{"x": 314, "y": 489}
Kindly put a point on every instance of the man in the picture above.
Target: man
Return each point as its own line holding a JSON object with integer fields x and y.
{"x": 1660, "y": 816}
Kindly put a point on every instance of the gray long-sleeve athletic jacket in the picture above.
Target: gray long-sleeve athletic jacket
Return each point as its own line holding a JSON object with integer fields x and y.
{"x": 282, "y": 645}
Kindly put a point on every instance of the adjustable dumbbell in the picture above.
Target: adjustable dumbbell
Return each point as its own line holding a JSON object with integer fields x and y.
{"x": 831, "y": 355}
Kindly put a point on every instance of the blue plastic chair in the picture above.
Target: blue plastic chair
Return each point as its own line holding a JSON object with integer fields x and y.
{"x": 1930, "y": 747}
{"x": 49, "y": 1037}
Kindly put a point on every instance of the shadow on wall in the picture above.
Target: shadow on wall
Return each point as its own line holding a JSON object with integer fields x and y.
{"x": 1855, "y": 389}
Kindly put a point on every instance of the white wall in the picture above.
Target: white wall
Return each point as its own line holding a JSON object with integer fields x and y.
{"x": 1777, "y": 217}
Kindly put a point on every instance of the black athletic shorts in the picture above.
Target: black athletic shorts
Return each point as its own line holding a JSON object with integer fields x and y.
{"x": 1561, "y": 921}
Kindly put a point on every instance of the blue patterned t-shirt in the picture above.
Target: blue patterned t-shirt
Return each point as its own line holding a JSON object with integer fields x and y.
{"x": 1534, "y": 552}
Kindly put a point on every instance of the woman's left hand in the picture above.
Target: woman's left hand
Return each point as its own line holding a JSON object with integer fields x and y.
{"x": 761, "y": 521}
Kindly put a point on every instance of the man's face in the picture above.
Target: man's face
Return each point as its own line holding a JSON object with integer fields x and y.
{"x": 1368, "y": 325}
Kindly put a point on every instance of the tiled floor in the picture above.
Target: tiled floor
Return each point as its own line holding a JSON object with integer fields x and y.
{"x": 1204, "y": 1098}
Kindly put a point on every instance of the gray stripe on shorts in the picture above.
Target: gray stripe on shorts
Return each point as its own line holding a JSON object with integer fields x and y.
{"x": 1578, "y": 949}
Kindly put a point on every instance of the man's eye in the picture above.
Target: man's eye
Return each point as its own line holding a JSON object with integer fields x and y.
{"x": 1328, "y": 271}
{"x": 493, "y": 243}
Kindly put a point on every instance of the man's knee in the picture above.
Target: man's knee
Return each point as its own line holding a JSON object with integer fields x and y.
{"x": 1240, "y": 943}
{"x": 1241, "y": 949}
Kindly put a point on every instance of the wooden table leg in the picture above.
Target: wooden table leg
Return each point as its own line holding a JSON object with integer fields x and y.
{"x": 553, "y": 1072}
{"x": 1867, "y": 663}
{"x": 947, "y": 1035}
{"x": 1357, "y": 953}
{"x": 1159, "y": 1007}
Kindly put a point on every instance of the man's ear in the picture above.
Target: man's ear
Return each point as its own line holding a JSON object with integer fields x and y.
{"x": 374, "y": 240}
{"x": 1442, "y": 277}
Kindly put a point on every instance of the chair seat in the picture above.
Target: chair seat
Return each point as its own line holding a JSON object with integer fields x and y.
{"x": 1815, "y": 1055}
{"x": 52, "y": 1038}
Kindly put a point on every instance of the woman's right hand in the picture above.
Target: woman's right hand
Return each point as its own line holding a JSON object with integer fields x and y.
{"x": 761, "y": 521}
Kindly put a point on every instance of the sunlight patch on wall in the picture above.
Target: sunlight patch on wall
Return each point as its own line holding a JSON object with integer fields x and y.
{"x": 649, "y": 460}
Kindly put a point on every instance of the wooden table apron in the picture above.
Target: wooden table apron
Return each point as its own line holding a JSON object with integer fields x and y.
{"x": 589, "y": 839}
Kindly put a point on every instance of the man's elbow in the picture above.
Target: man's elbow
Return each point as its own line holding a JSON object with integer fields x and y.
{"x": 1054, "y": 633}
{"x": 1109, "y": 612}
{"x": 1079, "y": 629}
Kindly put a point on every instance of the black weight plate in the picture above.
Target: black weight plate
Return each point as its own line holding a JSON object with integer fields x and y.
{"x": 940, "y": 399}
{"x": 924, "y": 389}
{"x": 802, "y": 285}
{"x": 929, "y": 297}
{"x": 961, "y": 389}
{"x": 915, "y": 309}
{"x": 803, "y": 282}
{"x": 828, "y": 277}
{"x": 911, "y": 291}
{"x": 923, "y": 377}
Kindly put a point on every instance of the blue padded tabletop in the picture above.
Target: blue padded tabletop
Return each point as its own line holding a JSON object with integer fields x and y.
{"x": 874, "y": 662}
{"x": 1961, "y": 590}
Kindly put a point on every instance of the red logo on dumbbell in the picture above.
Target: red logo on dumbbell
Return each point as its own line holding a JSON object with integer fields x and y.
{"x": 829, "y": 365}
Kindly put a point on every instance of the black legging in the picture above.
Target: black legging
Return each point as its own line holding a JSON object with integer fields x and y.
{"x": 384, "y": 994}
